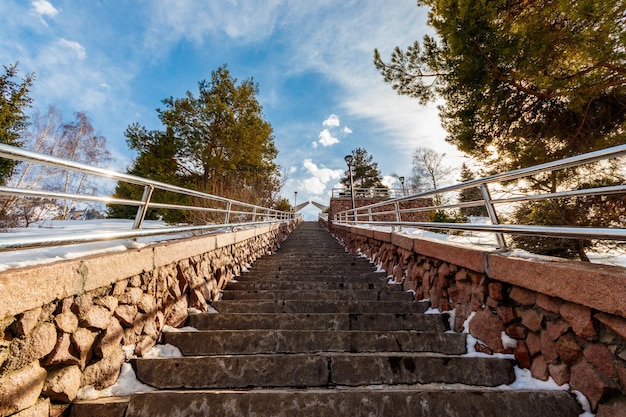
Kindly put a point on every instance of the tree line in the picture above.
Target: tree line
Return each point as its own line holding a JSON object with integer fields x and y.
{"x": 216, "y": 142}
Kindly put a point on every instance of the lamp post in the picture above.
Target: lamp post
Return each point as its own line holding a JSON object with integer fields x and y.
{"x": 295, "y": 203}
{"x": 402, "y": 182}
{"x": 349, "y": 159}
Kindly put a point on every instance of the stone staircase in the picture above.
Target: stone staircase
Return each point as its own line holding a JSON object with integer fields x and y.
{"x": 315, "y": 331}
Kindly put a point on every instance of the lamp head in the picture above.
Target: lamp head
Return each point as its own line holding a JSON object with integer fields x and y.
{"x": 349, "y": 159}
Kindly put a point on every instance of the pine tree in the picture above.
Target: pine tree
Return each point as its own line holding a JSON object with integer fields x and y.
{"x": 365, "y": 171}
{"x": 14, "y": 100}
{"x": 216, "y": 142}
{"x": 470, "y": 194}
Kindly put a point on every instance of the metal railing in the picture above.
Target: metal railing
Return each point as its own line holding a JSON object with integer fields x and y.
{"x": 396, "y": 208}
{"x": 235, "y": 213}
{"x": 368, "y": 192}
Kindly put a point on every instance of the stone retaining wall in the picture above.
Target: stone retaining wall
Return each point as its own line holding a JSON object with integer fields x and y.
{"x": 562, "y": 319}
{"x": 63, "y": 325}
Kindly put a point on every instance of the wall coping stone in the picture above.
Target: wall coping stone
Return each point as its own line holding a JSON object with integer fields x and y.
{"x": 22, "y": 289}
{"x": 597, "y": 286}
{"x": 601, "y": 287}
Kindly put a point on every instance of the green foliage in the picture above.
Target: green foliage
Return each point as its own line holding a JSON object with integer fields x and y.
{"x": 216, "y": 142}
{"x": 470, "y": 194}
{"x": 283, "y": 205}
{"x": 14, "y": 100}
{"x": 586, "y": 211}
{"x": 365, "y": 171}
{"x": 524, "y": 82}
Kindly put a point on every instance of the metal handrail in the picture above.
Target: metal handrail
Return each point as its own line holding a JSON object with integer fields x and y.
{"x": 364, "y": 216}
{"x": 258, "y": 215}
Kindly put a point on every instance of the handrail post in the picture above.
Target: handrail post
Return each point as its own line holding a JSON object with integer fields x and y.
{"x": 254, "y": 214}
{"x": 369, "y": 214}
{"x": 491, "y": 211}
{"x": 396, "y": 207}
{"x": 143, "y": 208}
{"x": 227, "y": 217}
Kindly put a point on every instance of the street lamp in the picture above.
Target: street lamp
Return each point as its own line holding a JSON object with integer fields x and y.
{"x": 402, "y": 182}
{"x": 295, "y": 202}
{"x": 349, "y": 159}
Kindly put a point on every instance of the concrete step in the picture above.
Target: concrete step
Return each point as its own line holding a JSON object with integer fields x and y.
{"x": 247, "y": 342}
{"x": 319, "y": 306}
{"x": 368, "y": 277}
{"x": 340, "y": 295}
{"x": 270, "y": 285}
{"x": 424, "y": 401}
{"x": 329, "y": 321}
{"x": 321, "y": 370}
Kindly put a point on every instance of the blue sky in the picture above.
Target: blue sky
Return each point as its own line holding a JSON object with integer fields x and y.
{"x": 116, "y": 61}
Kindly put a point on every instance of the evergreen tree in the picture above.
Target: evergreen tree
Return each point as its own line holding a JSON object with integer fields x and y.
{"x": 365, "y": 171}
{"x": 524, "y": 83}
{"x": 14, "y": 100}
{"x": 470, "y": 194}
{"x": 216, "y": 142}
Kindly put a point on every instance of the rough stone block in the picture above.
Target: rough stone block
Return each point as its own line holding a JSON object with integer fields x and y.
{"x": 523, "y": 296}
{"x": 488, "y": 328}
{"x": 560, "y": 373}
{"x": 579, "y": 317}
{"x": 590, "y": 382}
{"x": 615, "y": 323}
{"x": 539, "y": 368}
{"x": 63, "y": 353}
{"x": 20, "y": 389}
{"x": 532, "y": 319}
{"x": 568, "y": 349}
{"x": 63, "y": 384}
{"x": 66, "y": 322}
{"x": 40, "y": 409}
{"x": 27, "y": 321}
{"x": 30, "y": 348}
{"x": 601, "y": 358}
{"x": 83, "y": 340}
{"x": 104, "y": 373}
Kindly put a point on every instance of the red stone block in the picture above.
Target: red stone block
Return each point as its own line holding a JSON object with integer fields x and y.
{"x": 569, "y": 351}
{"x": 556, "y": 328}
{"x": 506, "y": 313}
{"x": 496, "y": 290}
{"x": 539, "y": 368}
{"x": 488, "y": 328}
{"x": 600, "y": 357}
{"x": 522, "y": 355}
{"x": 560, "y": 373}
{"x": 596, "y": 387}
{"x": 517, "y": 331}
{"x": 534, "y": 345}
{"x": 522, "y": 296}
{"x": 532, "y": 319}
{"x": 579, "y": 317}
{"x": 615, "y": 323}
{"x": 548, "y": 348}
{"x": 550, "y": 304}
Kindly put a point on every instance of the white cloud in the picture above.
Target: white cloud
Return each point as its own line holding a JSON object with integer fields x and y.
{"x": 331, "y": 121}
{"x": 81, "y": 52}
{"x": 346, "y": 130}
{"x": 43, "y": 8}
{"x": 327, "y": 139}
{"x": 320, "y": 176}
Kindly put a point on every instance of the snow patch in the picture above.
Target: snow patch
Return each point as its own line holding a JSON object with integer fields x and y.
{"x": 508, "y": 342}
{"x": 171, "y": 329}
{"x": 126, "y": 384}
